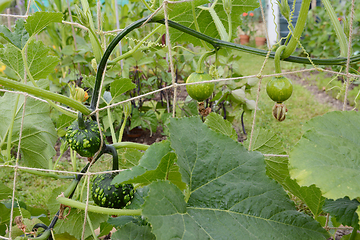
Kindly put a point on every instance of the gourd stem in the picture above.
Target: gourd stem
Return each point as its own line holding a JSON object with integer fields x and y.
{"x": 112, "y": 150}
{"x": 81, "y": 121}
{"x": 200, "y": 65}
{"x": 277, "y": 58}
{"x": 138, "y": 146}
{"x": 97, "y": 209}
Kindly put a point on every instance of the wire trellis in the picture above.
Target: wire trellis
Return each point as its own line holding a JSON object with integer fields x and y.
{"x": 173, "y": 86}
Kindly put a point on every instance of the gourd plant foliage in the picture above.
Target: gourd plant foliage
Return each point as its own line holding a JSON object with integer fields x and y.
{"x": 199, "y": 183}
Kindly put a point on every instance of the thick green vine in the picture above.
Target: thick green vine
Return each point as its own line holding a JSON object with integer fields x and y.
{"x": 216, "y": 43}
{"x": 38, "y": 92}
{"x": 300, "y": 24}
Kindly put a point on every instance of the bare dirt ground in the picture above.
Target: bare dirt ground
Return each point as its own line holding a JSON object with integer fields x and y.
{"x": 319, "y": 95}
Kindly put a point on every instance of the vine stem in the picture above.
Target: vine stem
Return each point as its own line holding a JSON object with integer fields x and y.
{"x": 129, "y": 53}
{"x": 217, "y": 44}
{"x": 338, "y": 29}
{"x": 138, "y": 146}
{"x": 200, "y": 65}
{"x": 277, "y": 58}
{"x": 112, "y": 150}
{"x": 38, "y": 92}
{"x": 97, "y": 209}
{"x": 300, "y": 24}
{"x": 106, "y": 56}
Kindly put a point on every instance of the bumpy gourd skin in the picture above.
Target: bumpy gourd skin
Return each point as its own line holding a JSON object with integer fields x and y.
{"x": 86, "y": 142}
{"x": 199, "y": 92}
{"x": 107, "y": 195}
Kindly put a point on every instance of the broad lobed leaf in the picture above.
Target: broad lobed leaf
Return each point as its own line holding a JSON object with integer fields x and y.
{"x": 157, "y": 163}
{"x": 217, "y": 123}
{"x": 267, "y": 142}
{"x": 38, "y": 135}
{"x": 328, "y": 155}
{"x": 132, "y": 231}
{"x": 18, "y": 37}
{"x": 73, "y": 224}
{"x": 39, "y": 20}
{"x": 229, "y": 193}
{"x": 344, "y": 210}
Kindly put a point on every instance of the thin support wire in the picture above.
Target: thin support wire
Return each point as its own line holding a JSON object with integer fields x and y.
{"x": 168, "y": 43}
{"x": 260, "y": 79}
{"x": 28, "y": 8}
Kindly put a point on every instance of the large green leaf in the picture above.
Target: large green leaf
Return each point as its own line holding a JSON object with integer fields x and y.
{"x": 132, "y": 231}
{"x": 267, "y": 142}
{"x": 129, "y": 157}
{"x": 12, "y": 58}
{"x": 39, "y": 20}
{"x": 5, "y": 191}
{"x": 73, "y": 223}
{"x": 230, "y": 196}
{"x": 119, "y": 86}
{"x": 328, "y": 155}
{"x": 147, "y": 120}
{"x": 185, "y": 16}
{"x": 217, "y": 123}
{"x": 156, "y": 163}
{"x": 19, "y": 37}
{"x": 40, "y": 62}
{"x": 344, "y": 210}
{"x": 38, "y": 59}
{"x": 6, "y": 211}
{"x": 38, "y": 135}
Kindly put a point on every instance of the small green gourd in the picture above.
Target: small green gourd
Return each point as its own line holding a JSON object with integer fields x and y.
{"x": 110, "y": 195}
{"x": 84, "y": 137}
